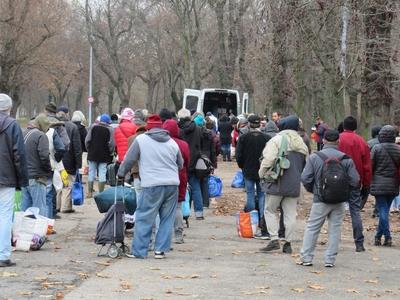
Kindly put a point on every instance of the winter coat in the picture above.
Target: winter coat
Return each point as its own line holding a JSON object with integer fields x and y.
{"x": 372, "y": 143}
{"x": 271, "y": 129}
{"x": 225, "y": 131}
{"x": 13, "y": 165}
{"x": 72, "y": 159}
{"x": 121, "y": 134}
{"x": 208, "y": 146}
{"x": 191, "y": 133}
{"x": 82, "y": 133}
{"x": 305, "y": 138}
{"x": 312, "y": 172}
{"x": 172, "y": 127}
{"x": 37, "y": 154}
{"x": 249, "y": 151}
{"x": 321, "y": 128}
{"x": 385, "y": 164}
{"x": 355, "y": 147}
{"x": 100, "y": 143}
{"x": 288, "y": 185}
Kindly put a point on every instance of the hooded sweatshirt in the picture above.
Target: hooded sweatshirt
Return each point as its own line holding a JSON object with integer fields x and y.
{"x": 271, "y": 129}
{"x": 159, "y": 159}
{"x": 288, "y": 185}
{"x": 172, "y": 127}
{"x": 13, "y": 167}
{"x": 191, "y": 133}
{"x": 37, "y": 149}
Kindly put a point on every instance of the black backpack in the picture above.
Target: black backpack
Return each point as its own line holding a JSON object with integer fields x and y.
{"x": 334, "y": 184}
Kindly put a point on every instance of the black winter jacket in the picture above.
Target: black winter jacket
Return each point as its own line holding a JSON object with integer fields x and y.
{"x": 13, "y": 167}
{"x": 225, "y": 131}
{"x": 249, "y": 151}
{"x": 82, "y": 133}
{"x": 100, "y": 143}
{"x": 191, "y": 133}
{"x": 72, "y": 159}
{"x": 385, "y": 165}
{"x": 208, "y": 146}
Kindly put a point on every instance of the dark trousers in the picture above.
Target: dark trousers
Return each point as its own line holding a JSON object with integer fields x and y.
{"x": 320, "y": 146}
{"x": 354, "y": 207}
{"x": 204, "y": 191}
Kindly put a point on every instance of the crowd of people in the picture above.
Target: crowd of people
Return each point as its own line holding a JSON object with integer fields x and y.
{"x": 158, "y": 154}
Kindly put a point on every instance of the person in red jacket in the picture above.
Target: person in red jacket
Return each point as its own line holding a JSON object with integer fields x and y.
{"x": 357, "y": 149}
{"x": 123, "y": 132}
{"x": 172, "y": 127}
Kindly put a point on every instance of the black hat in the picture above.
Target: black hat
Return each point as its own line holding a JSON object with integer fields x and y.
{"x": 51, "y": 107}
{"x": 254, "y": 119}
{"x": 350, "y": 123}
{"x": 165, "y": 114}
{"x": 63, "y": 109}
{"x": 331, "y": 135}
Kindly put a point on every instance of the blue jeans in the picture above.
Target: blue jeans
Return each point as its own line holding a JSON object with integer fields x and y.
{"x": 93, "y": 166}
{"x": 34, "y": 195}
{"x": 7, "y": 198}
{"x": 50, "y": 193}
{"x": 383, "y": 203}
{"x": 253, "y": 186}
{"x": 226, "y": 150}
{"x": 154, "y": 200}
{"x": 195, "y": 188}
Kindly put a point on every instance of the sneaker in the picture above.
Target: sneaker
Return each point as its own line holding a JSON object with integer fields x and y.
{"x": 262, "y": 236}
{"x": 272, "y": 245}
{"x": 360, "y": 248}
{"x": 304, "y": 263}
{"x": 287, "y": 248}
{"x": 329, "y": 265}
{"x": 159, "y": 255}
{"x": 179, "y": 239}
{"x": 6, "y": 263}
{"x": 387, "y": 242}
{"x": 378, "y": 242}
{"x": 200, "y": 218}
{"x": 130, "y": 255}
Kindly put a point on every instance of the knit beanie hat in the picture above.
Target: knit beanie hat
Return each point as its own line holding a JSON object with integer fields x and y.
{"x": 387, "y": 134}
{"x": 5, "y": 102}
{"x": 42, "y": 123}
{"x": 331, "y": 135}
{"x": 104, "y": 118}
{"x": 165, "y": 114}
{"x": 153, "y": 121}
{"x": 51, "y": 107}
{"x": 127, "y": 114}
{"x": 64, "y": 109}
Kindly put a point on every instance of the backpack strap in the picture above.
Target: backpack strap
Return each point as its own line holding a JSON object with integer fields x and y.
{"x": 283, "y": 146}
{"x": 325, "y": 158}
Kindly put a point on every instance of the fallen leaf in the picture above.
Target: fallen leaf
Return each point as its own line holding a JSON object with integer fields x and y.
{"x": 59, "y": 295}
{"x": 69, "y": 286}
{"x": 40, "y": 278}
{"x": 193, "y": 276}
{"x": 316, "y": 287}
{"x": 316, "y": 272}
{"x": 101, "y": 275}
{"x": 214, "y": 276}
{"x": 9, "y": 274}
{"x": 296, "y": 255}
{"x": 373, "y": 281}
{"x": 76, "y": 261}
{"x": 125, "y": 285}
{"x": 166, "y": 277}
{"x": 213, "y": 238}
{"x": 298, "y": 290}
{"x": 25, "y": 293}
{"x": 249, "y": 293}
{"x": 102, "y": 263}
{"x": 83, "y": 275}
{"x": 57, "y": 248}
{"x": 375, "y": 258}
{"x": 352, "y": 291}
{"x": 168, "y": 291}
{"x": 155, "y": 269}
{"x": 146, "y": 298}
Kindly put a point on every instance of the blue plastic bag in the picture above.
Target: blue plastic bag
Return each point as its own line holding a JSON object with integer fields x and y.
{"x": 77, "y": 193}
{"x": 214, "y": 186}
{"x": 238, "y": 180}
{"x": 186, "y": 205}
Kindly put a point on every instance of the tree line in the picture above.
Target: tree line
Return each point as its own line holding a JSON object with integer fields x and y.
{"x": 322, "y": 58}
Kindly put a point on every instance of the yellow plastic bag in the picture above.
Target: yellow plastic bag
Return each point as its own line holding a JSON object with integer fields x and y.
{"x": 64, "y": 178}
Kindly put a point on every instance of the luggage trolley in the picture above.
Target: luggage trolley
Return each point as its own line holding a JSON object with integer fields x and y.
{"x": 110, "y": 230}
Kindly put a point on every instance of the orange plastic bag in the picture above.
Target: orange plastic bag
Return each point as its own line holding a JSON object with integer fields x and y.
{"x": 247, "y": 223}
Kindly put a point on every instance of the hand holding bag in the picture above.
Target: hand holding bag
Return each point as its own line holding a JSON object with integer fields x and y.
{"x": 77, "y": 193}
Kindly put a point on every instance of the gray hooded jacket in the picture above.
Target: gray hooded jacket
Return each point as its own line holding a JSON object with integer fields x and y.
{"x": 158, "y": 156}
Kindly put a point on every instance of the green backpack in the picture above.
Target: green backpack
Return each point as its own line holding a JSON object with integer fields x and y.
{"x": 280, "y": 164}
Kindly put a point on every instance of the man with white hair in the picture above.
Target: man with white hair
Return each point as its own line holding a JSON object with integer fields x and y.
{"x": 13, "y": 174}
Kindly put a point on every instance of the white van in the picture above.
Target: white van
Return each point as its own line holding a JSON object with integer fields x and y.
{"x": 216, "y": 101}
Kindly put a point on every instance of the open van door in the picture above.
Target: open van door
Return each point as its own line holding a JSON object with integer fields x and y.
{"x": 245, "y": 103}
{"x": 191, "y": 99}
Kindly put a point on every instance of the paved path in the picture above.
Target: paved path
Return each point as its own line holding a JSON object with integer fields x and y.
{"x": 212, "y": 264}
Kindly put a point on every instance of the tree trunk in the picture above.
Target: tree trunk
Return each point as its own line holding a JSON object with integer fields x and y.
{"x": 110, "y": 99}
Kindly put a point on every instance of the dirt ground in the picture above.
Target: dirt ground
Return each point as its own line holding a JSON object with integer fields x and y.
{"x": 214, "y": 263}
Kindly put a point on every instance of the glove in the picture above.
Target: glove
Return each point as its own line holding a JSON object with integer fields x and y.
{"x": 64, "y": 178}
{"x": 364, "y": 192}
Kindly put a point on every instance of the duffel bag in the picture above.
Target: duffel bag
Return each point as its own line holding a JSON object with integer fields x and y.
{"x": 106, "y": 199}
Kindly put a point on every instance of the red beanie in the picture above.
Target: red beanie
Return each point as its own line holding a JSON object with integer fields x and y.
{"x": 153, "y": 121}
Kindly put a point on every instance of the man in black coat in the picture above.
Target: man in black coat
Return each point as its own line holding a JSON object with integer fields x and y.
{"x": 248, "y": 152}
{"x": 72, "y": 159}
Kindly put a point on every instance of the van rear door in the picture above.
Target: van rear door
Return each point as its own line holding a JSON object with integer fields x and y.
{"x": 191, "y": 99}
{"x": 245, "y": 103}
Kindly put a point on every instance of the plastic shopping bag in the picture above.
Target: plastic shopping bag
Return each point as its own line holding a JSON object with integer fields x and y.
{"x": 18, "y": 199}
{"x": 238, "y": 180}
{"x": 77, "y": 193}
{"x": 214, "y": 186}
{"x": 186, "y": 205}
{"x": 247, "y": 223}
